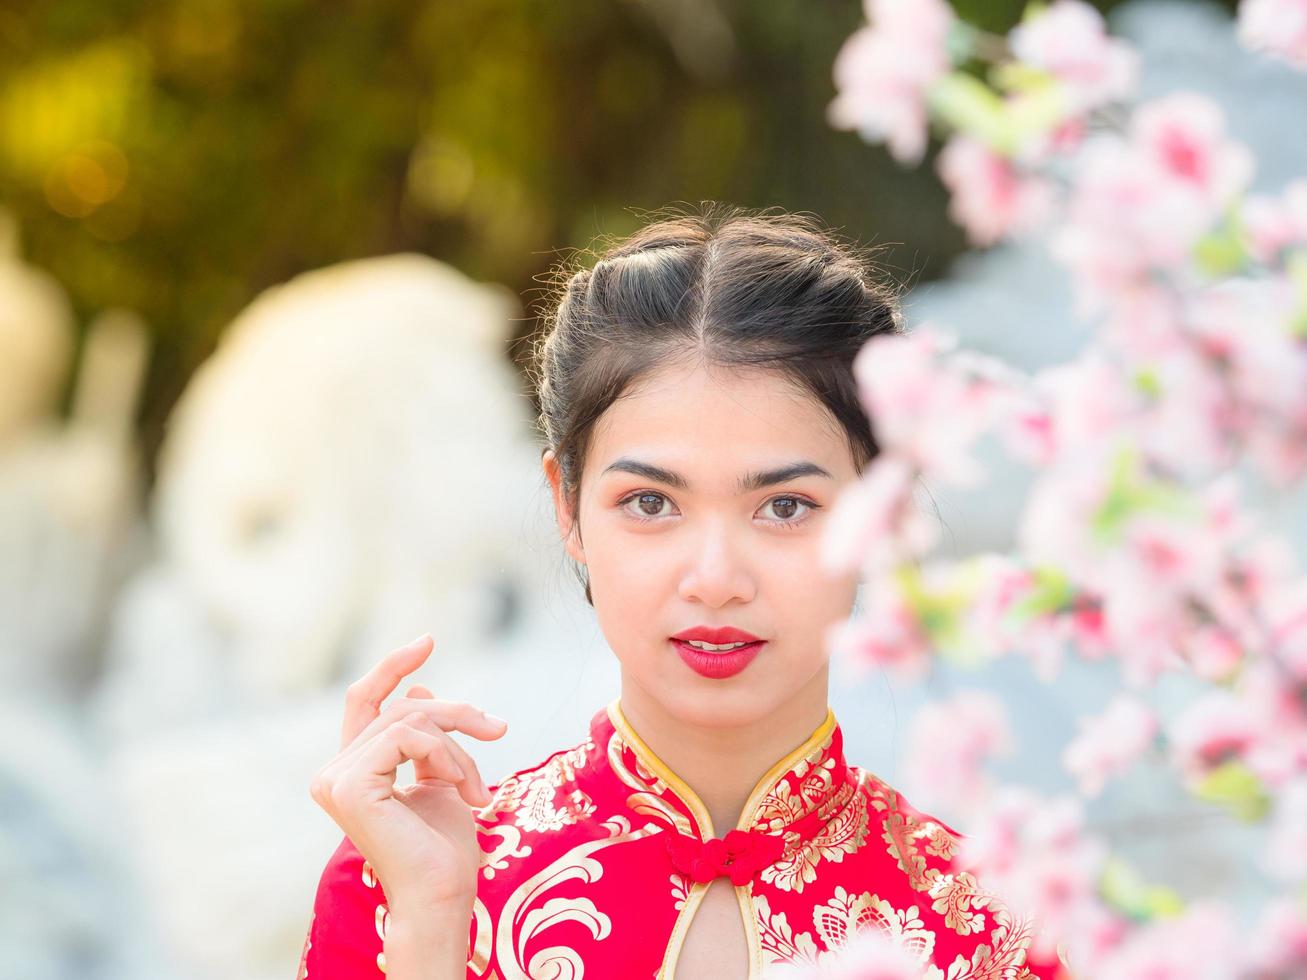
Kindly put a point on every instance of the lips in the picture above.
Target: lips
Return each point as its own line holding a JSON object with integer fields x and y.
{"x": 717, "y": 635}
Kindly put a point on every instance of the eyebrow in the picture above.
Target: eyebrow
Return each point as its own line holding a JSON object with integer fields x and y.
{"x": 753, "y": 480}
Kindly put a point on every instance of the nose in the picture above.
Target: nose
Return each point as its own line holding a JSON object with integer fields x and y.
{"x": 718, "y": 568}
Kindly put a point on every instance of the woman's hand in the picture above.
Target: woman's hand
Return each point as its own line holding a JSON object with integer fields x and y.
{"x": 421, "y": 839}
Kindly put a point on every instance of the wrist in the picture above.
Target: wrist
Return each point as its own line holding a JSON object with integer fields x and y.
{"x": 426, "y": 942}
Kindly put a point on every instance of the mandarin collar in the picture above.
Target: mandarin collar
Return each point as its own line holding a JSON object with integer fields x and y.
{"x": 799, "y": 793}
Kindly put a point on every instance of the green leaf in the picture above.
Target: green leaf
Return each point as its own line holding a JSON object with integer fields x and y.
{"x": 1129, "y": 493}
{"x": 1220, "y": 253}
{"x": 937, "y": 613}
{"x": 1124, "y": 888}
{"x": 1236, "y": 787}
{"x": 1296, "y": 266}
{"x": 1053, "y": 591}
{"x": 968, "y": 105}
{"x": 1147, "y": 381}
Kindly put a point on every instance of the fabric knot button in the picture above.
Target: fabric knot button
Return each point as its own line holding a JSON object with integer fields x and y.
{"x": 739, "y": 856}
{"x": 736, "y": 841}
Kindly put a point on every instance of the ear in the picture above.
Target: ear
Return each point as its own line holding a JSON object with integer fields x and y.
{"x": 566, "y": 521}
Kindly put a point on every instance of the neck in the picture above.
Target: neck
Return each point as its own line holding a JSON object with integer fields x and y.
{"x": 722, "y": 764}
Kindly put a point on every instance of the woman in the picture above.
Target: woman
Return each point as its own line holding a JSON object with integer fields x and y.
{"x": 700, "y": 418}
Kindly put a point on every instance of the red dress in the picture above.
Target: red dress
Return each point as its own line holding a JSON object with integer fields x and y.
{"x": 595, "y": 860}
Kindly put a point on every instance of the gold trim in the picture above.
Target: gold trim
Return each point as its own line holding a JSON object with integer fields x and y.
{"x": 661, "y": 770}
{"x": 785, "y": 765}
{"x": 743, "y": 893}
{"x": 698, "y": 889}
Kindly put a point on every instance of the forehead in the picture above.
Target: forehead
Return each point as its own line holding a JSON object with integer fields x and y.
{"x": 715, "y": 416}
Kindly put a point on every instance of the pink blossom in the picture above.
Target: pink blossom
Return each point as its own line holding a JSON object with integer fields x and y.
{"x": 1200, "y": 944}
{"x": 1278, "y": 946}
{"x": 875, "y": 522}
{"x": 1278, "y": 27}
{"x": 1183, "y": 135}
{"x": 931, "y": 408}
{"x": 1139, "y": 206}
{"x": 870, "y": 953}
{"x": 1214, "y": 653}
{"x": 1286, "y": 615}
{"x": 989, "y": 197}
{"x": 1034, "y": 852}
{"x": 1277, "y": 701}
{"x": 885, "y": 634}
{"x": 1285, "y": 854}
{"x": 1127, "y": 220}
{"x": 948, "y": 745}
{"x": 1145, "y": 325}
{"x": 884, "y": 71}
{"x": 1109, "y": 743}
{"x": 1069, "y": 40}
{"x": 1212, "y": 729}
{"x": 1241, "y": 330}
{"x": 1274, "y": 224}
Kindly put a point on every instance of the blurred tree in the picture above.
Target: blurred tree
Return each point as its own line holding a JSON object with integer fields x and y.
{"x": 177, "y": 157}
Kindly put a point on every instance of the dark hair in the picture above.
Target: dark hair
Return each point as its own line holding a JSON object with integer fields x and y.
{"x": 729, "y": 286}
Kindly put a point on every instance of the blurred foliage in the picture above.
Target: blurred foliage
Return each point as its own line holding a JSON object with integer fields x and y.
{"x": 179, "y": 156}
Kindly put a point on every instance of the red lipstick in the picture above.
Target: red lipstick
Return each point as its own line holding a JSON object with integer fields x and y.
{"x": 717, "y": 663}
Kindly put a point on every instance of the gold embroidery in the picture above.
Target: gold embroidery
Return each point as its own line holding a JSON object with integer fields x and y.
{"x": 843, "y": 916}
{"x": 496, "y": 859}
{"x": 837, "y": 922}
{"x": 843, "y": 832}
{"x": 957, "y": 896}
{"x": 903, "y": 831}
{"x": 480, "y": 958}
{"x": 381, "y": 915}
{"x": 647, "y": 798}
{"x": 778, "y": 939}
{"x": 1006, "y": 958}
{"x": 520, "y": 920}
{"x": 680, "y": 889}
{"x": 651, "y": 777}
{"x": 531, "y": 797}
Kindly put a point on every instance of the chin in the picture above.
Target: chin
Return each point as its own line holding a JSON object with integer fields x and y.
{"x": 714, "y": 704}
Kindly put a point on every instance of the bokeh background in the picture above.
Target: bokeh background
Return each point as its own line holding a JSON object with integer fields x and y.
{"x": 268, "y": 275}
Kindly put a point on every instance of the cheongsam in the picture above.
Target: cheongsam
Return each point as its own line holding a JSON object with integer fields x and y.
{"x": 594, "y": 861}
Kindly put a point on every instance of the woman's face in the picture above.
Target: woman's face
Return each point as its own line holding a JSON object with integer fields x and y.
{"x": 665, "y": 554}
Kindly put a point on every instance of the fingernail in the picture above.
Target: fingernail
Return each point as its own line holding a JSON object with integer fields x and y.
{"x": 495, "y": 718}
{"x": 419, "y": 639}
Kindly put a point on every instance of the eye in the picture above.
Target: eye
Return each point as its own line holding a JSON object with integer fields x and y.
{"x": 649, "y": 505}
{"x": 787, "y": 506}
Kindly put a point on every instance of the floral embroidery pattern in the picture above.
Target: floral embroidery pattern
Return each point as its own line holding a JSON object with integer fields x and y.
{"x": 532, "y": 797}
{"x": 957, "y": 896}
{"x": 836, "y": 922}
{"x": 381, "y": 916}
{"x": 496, "y": 859}
{"x": 844, "y": 832}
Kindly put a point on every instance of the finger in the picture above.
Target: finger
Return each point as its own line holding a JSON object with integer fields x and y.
{"x": 422, "y": 770}
{"x": 449, "y": 715}
{"x": 473, "y": 788}
{"x": 371, "y": 776}
{"x": 363, "y": 698}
